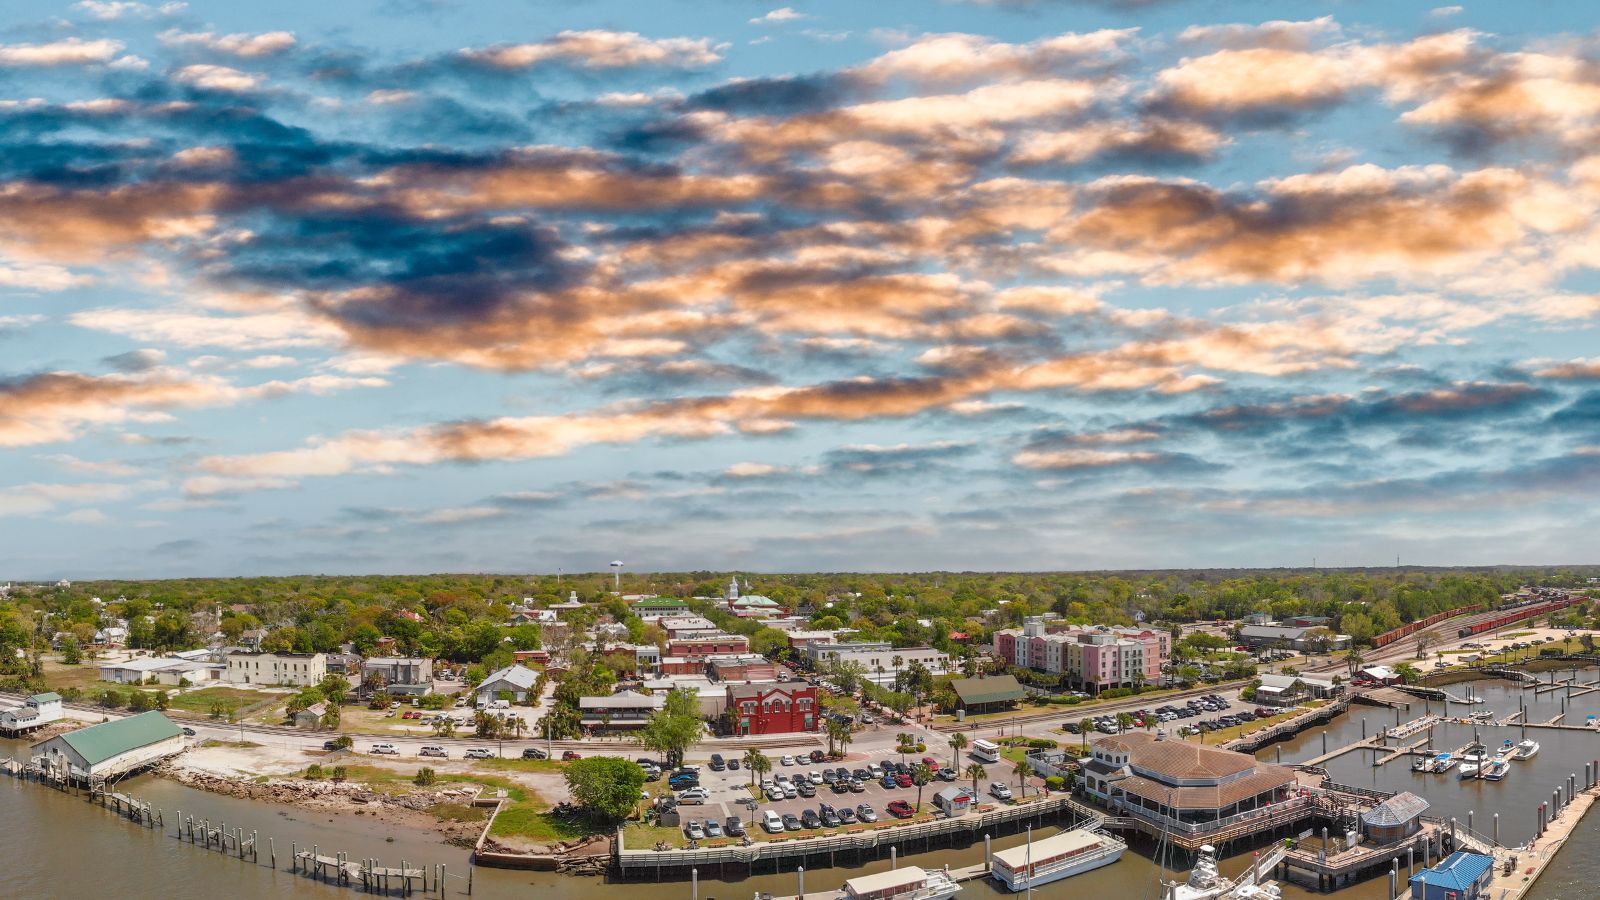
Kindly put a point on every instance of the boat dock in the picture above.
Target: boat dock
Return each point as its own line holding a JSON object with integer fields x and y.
{"x": 1413, "y": 749}
{"x": 371, "y": 876}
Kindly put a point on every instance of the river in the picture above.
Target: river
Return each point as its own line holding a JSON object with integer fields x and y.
{"x": 60, "y": 846}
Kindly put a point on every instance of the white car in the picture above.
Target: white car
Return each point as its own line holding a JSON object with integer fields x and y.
{"x": 1000, "y": 790}
{"x": 789, "y": 791}
{"x": 384, "y": 750}
{"x": 775, "y": 793}
{"x": 787, "y": 760}
{"x": 477, "y": 753}
{"x": 781, "y": 778}
{"x": 693, "y": 831}
{"x": 876, "y": 770}
{"x": 814, "y": 777}
{"x": 772, "y": 822}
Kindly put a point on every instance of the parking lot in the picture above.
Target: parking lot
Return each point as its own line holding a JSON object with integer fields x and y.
{"x": 728, "y": 791}
{"x": 1193, "y": 716}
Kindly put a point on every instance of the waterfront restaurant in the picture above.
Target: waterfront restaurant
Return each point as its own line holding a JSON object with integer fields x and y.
{"x": 1190, "y": 786}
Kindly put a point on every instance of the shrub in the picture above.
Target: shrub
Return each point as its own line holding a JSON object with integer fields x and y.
{"x": 344, "y": 742}
{"x": 314, "y": 771}
{"x": 1041, "y": 744}
{"x": 1055, "y": 782}
{"x": 425, "y": 777}
{"x": 921, "y": 747}
{"x": 339, "y": 773}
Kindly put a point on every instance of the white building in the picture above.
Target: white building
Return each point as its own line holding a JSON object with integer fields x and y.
{"x": 879, "y": 660}
{"x": 518, "y": 680}
{"x": 110, "y": 748}
{"x": 296, "y": 669}
{"x": 35, "y": 712}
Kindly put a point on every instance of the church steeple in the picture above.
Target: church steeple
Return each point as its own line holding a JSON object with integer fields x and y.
{"x": 733, "y": 588}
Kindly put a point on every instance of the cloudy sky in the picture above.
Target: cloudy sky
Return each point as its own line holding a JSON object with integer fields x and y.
{"x": 422, "y": 285}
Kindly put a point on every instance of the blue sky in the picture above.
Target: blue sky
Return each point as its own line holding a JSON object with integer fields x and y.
{"x": 419, "y": 285}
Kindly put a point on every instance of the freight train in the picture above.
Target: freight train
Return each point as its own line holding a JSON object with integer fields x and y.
{"x": 1516, "y": 614}
{"x": 1389, "y": 637}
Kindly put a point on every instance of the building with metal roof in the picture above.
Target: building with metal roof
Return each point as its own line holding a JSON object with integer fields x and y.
{"x": 110, "y": 748}
{"x": 1461, "y": 876}
{"x": 985, "y": 694}
{"x": 1395, "y": 819}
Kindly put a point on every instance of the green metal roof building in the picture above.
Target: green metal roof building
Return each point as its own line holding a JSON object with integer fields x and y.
{"x": 111, "y": 748}
{"x": 986, "y": 694}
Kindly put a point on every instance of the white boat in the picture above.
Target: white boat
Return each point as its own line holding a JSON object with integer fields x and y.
{"x": 1506, "y": 747}
{"x": 1442, "y": 763}
{"x": 1266, "y": 890}
{"x": 1206, "y": 884}
{"x": 1471, "y": 762}
{"x": 1054, "y": 858}
{"x": 1482, "y": 715}
{"x": 1420, "y": 764}
{"x": 907, "y": 883}
{"x": 1496, "y": 769}
{"x": 1526, "y": 749}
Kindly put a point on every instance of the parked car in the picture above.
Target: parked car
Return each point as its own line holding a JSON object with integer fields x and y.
{"x": 772, "y": 822}
{"x": 774, "y": 793}
{"x": 810, "y": 819}
{"x": 847, "y": 815}
{"x": 821, "y": 777}
{"x": 571, "y": 755}
{"x": 681, "y": 780}
{"x": 817, "y": 756}
{"x": 830, "y": 817}
{"x": 434, "y": 750}
{"x": 190, "y": 732}
{"x": 478, "y": 753}
{"x": 856, "y": 787}
{"x": 733, "y": 827}
{"x": 693, "y": 796}
{"x": 733, "y": 765}
{"x": 384, "y": 750}
{"x": 947, "y": 774}
{"x": 1000, "y": 790}
{"x": 805, "y": 789}
{"x": 713, "y": 830}
{"x": 534, "y": 753}
{"x": 903, "y": 780}
{"x": 787, "y": 761}
{"x": 791, "y": 822}
{"x": 718, "y": 763}
{"x": 900, "y": 809}
{"x": 330, "y": 745}
{"x": 866, "y": 813}
{"x": 888, "y": 782}
{"x": 693, "y": 831}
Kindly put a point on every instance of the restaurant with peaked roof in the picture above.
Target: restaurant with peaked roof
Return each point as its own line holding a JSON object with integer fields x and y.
{"x": 1145, "y": 775}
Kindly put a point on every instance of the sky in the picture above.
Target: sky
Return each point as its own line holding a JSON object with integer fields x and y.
{"x": 397, "y": 286}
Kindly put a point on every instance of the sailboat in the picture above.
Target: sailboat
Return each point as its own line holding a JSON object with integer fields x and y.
{"x": 1526, "y": 749}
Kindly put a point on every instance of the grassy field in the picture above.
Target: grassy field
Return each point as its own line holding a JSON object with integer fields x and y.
{"x": 86, "y": 676}
{"x": 200, "y": 701}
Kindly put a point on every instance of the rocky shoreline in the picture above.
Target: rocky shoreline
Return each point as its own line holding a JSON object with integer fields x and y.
{"x": 410, "y": 811}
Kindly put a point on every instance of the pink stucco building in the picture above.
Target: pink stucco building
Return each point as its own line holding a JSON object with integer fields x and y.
{"x": 1094, "y": 658}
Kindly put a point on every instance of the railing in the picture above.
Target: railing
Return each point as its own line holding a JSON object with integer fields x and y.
{"x": 1264, "y": 815}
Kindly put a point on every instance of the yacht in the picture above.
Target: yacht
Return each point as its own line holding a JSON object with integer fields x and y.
{"x": 908, "y": 883}
{"x": 1526, "y": 749}
{"x": 1471, "y": 762}
{"x": 1495, "y": 769}
{"x": 1506, "y": 747}
{"x": 1054, "y": 858}
{"x": 1442, "y": 763}
{"x": 1205, "y": 884}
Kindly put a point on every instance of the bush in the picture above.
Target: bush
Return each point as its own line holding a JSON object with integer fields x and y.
{"x": 313, "y": 771}
{"x": 425, "y": 777}
{"x": 1041, "y": 744}
{"x": 344, "y": 742}
{"x": 922, "y": 748}
{"x": 339, "y": 773}
{"x": 1114, "y": 693}
{"x": 1055, "y": 782}
{"x": 111, "y": 699}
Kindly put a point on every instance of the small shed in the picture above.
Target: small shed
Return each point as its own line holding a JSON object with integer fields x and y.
{"x": 310, "y": 718}
{"x": 1462, "y": 876}
{"x": 953, "y": 801}
{"x": 1395, "y": 819}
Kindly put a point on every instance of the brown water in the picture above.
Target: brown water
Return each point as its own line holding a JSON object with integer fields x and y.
{"x": 60, "y": 846}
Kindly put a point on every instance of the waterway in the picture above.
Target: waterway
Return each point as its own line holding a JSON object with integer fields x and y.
{"x": 60, "y": 846}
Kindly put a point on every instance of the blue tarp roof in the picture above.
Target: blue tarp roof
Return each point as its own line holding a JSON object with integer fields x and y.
{"x": 1459, "y": 871}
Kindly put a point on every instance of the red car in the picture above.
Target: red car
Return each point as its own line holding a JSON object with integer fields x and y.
{"x": 930, "y": 761}
{"x": 571, "y": 754}
{"x": 900, "y": 809}
{"x": 903, "y": 780}
{"x": 818, "y": 756}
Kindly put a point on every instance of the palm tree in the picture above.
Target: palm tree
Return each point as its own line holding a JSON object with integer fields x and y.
{"x": 958, "y": 743}
{"x": 838, "y": 733}
{"x": 1353, "y": 660}
{"x": 758, "y": 764}
{"x": 977, "y": 773}
{"x": 905, "y": 745}
{"x": 1085, "y": 726}
{"x": 922, "y": 774}
{"x": 1124, "y": 720}
{"x": 1024, "y": 769}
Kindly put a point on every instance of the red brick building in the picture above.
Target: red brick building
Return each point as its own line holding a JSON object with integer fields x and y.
{"x": 715, "y": 645}
{"x": 773, "y": 708}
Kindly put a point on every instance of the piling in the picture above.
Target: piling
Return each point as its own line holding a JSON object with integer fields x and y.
{"x": 1497, "y": 829}
{"x": 694, "y": 884}
{"x": 894, "y": 858}
{"x": 1411, "y": 864}
{"x": 1469, "y": 820}
{"x": 1541, "y": 820}
{"x": 1394, "y": 882}
{"x": 988, "y": 857}
{"x": 1325, "y": 743}
{"x": 801, "y": 871}
{"x": 272, "y": 852}
{"x": 1572, "y": 780}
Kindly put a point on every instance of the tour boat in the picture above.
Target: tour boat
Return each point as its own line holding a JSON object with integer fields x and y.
{"x": 1495, "y": 769}
{"x": 1054, "y": 858}
{"x": 908, "y": 883}
{"x": 1442, "y": 763}
{"x": 1526, "y": 749}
